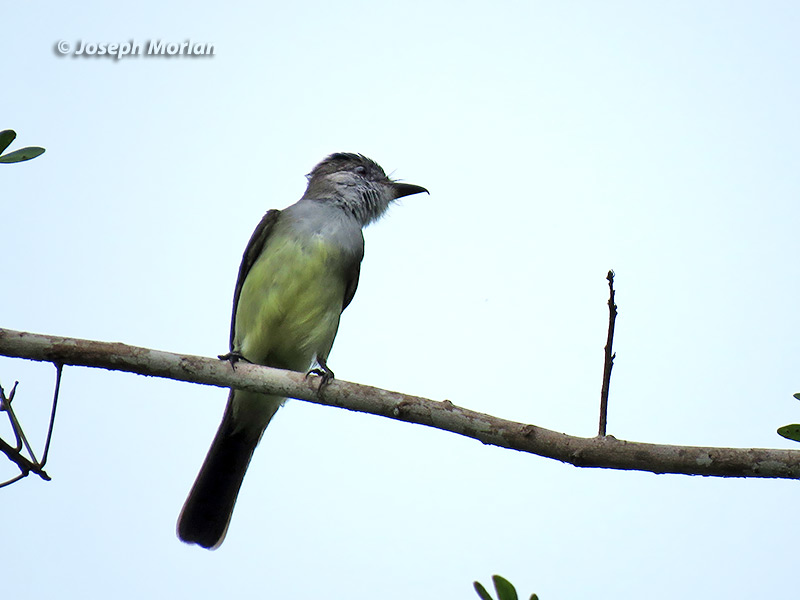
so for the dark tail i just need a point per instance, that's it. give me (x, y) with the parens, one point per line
(207, 511)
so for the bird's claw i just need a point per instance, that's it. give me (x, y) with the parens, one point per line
(325, 374)
(233, 357)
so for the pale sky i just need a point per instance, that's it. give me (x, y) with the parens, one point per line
(558, 140)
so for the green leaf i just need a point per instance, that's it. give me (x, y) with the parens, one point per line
(505, 591)
(790, 432)
(481, 591)
(22, 154)
(534, 597)
(6, 137)
(797, 395)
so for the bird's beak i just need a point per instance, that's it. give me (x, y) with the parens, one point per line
(406, 189)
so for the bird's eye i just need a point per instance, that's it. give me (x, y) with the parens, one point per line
(361, 170)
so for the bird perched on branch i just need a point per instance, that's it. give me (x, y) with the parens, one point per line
(298, 273)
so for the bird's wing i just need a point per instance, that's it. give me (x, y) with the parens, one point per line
(352, 284)
(254, 248)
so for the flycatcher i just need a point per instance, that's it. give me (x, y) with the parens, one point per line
(298, 273)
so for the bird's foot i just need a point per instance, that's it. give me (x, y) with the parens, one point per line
(323, 371)
(233, 357)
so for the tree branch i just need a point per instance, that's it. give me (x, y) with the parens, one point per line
(608, 363)
(14, 453)
(606, 452)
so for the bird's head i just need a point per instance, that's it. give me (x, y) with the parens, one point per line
(356, 183)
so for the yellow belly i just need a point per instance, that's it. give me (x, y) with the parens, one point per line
(290, 304)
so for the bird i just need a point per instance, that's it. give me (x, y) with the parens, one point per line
(299, 271)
